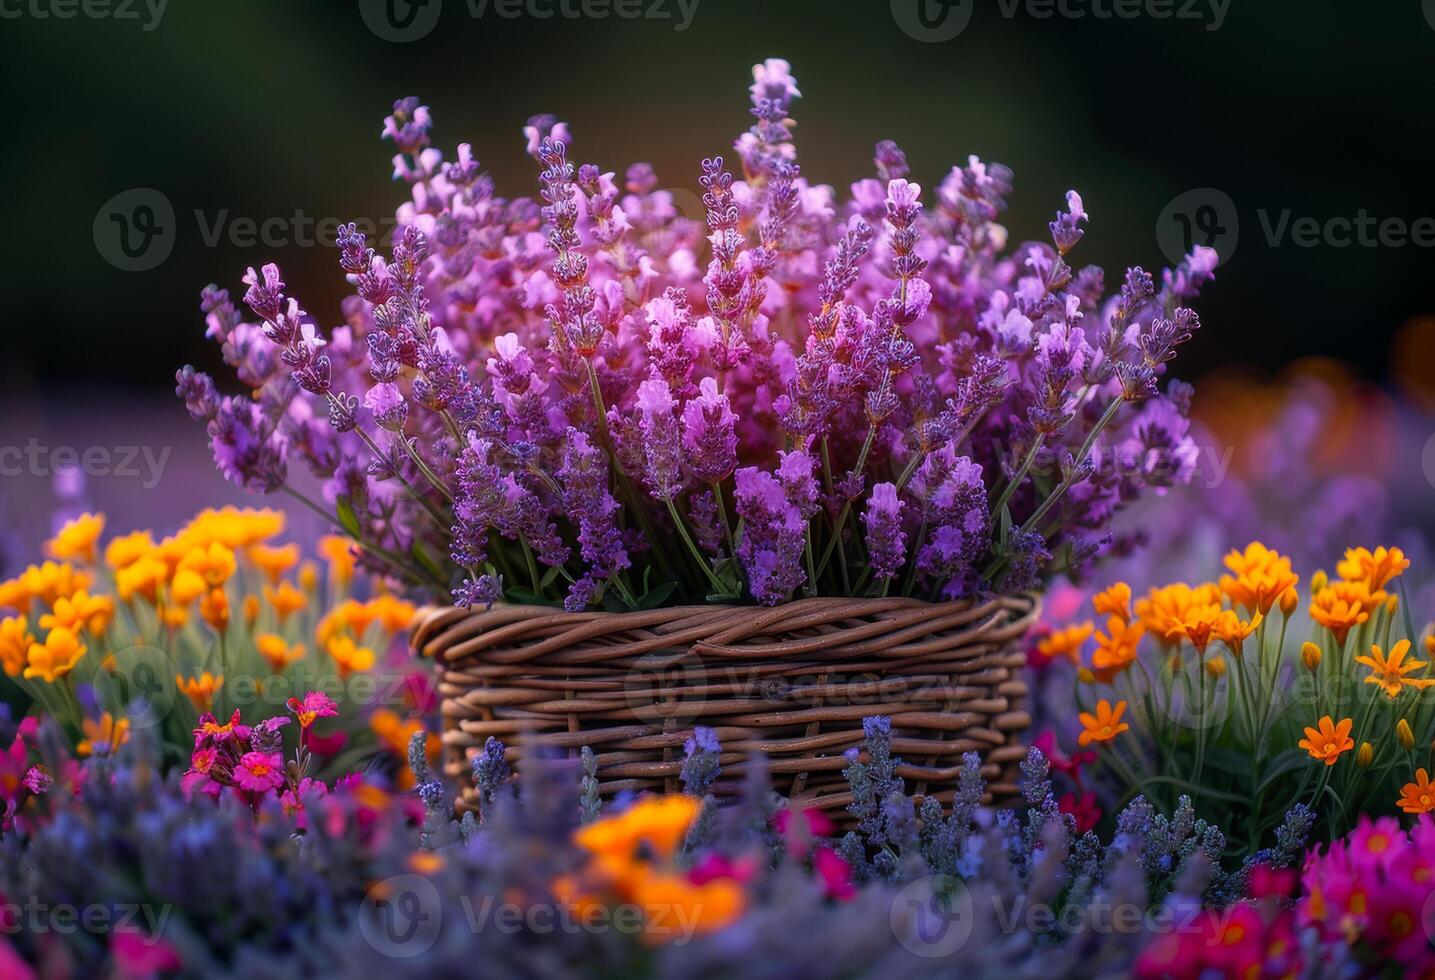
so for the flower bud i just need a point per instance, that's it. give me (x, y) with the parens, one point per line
(1404, 734)
(309, 577)
(1319, 581)
(1289, 600)
(1310, 655)
(1430, 644)
(1392, 604)
(1216, 667)
(1086, 676)
(1365, 755)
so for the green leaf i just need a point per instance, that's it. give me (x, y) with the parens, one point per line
(426, 563)
(527, 598)
(1004, 531)
(348, 520)
(550, 575)
(1287, 761)
(654, 598)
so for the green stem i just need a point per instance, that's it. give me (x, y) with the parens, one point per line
(682, 527)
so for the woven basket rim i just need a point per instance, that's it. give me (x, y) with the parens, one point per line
(433, 623)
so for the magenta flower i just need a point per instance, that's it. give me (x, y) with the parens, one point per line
(259, 772)
(311, 707)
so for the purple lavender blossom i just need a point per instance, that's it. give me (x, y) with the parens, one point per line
(772, 540)
(886, 541)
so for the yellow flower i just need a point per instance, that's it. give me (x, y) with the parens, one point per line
(15, 640)
(1389, 671)
(1310, 655)
(1103, 726)
(279, 653)
(54, 658)
(1115, 601)
(1116, 648)
(272, 561)
(285, 599)
(1066, 642)
(76, 540)
(1340, 607)
(1404, 735)
(142, 577)
(124, 551)
(200, 690)
(50, 581)
(1328, 740)
(395, 732)
(349, 657)
(1216, 667)
(1365, 755)
(233, 527)
(104, 736)
(1375, 569)
(80, 611)
(339, 553)
(214, 564)
(1164, 609)
(1261, 578)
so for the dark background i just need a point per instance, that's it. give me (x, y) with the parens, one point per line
(261, 108)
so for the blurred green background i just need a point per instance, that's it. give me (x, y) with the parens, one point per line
(266, 108)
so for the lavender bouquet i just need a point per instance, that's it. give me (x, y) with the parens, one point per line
(596, 399)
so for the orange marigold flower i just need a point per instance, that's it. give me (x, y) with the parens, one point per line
(1162, 610)
(1261, 577)
(1233, 631)
(277, 651)
(1389, 671)
(141, 577)
(658, 822)
(1115, 601)
(1198, 623)
(48, 582)
(15, 640)
(1374, 568)
(1340, 607)
(54, 658)
(214, 608)
(214, 564)
(200, 690)
(285, 599)
(1066, 642)
(80, 611)
(105, 736)
(1419, 796)
(339, 553)
(124, 551)
(272, 561)
(76, 540)
(349, 656)
(1103, 726)
(1328, 740)
(1116, 648)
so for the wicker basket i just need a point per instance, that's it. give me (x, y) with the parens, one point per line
(793, 683)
